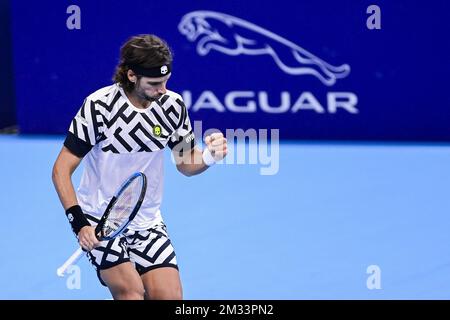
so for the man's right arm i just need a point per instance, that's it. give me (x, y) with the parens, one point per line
(64, 166)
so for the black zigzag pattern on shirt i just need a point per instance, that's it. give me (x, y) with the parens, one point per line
(109, 107)
(133, 134)
(124, 129)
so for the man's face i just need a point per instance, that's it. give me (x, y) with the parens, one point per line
(151, 89)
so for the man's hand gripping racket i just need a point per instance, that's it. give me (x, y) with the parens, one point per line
(121, 210)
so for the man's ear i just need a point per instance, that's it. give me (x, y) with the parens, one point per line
(132, 76)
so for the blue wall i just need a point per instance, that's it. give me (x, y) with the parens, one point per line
(7, 107)
(393, 80)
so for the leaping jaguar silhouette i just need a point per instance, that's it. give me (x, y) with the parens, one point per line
(234, 36)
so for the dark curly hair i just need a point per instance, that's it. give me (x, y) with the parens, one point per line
(145, 50)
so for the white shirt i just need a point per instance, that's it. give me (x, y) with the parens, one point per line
(118, 140)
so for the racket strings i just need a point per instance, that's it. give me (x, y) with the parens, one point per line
(123, 208)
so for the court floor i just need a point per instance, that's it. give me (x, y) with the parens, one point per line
(338, 221)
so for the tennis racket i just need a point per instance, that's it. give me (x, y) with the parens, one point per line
(120, 211)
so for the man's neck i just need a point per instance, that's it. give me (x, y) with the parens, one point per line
(137, 101)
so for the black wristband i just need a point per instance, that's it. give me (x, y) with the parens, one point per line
(76, 218)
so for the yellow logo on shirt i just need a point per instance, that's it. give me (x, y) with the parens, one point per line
(157, 130)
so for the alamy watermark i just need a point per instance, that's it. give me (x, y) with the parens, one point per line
(73, 21)
(374, 279)
(373, 22)
(74, 279)
(246, 147)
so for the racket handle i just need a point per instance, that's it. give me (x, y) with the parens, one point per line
(71, 261)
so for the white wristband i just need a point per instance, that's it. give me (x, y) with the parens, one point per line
(208, 159)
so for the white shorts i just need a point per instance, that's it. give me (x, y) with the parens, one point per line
(147, 249)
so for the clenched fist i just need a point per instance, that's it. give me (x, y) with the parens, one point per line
(216, 144)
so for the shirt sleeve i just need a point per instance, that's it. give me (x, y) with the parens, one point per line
(85, 130)
(182, 139)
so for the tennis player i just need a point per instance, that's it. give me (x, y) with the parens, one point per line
(122, 129)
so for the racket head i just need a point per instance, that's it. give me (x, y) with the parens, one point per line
(123, 207)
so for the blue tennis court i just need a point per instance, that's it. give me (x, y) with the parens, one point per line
(338, 221)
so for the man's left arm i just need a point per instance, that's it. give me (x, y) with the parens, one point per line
(196, 161)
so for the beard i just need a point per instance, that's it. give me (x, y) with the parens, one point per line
(146, 97)
(141, 94)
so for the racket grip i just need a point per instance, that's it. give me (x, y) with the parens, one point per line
(69, 262)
